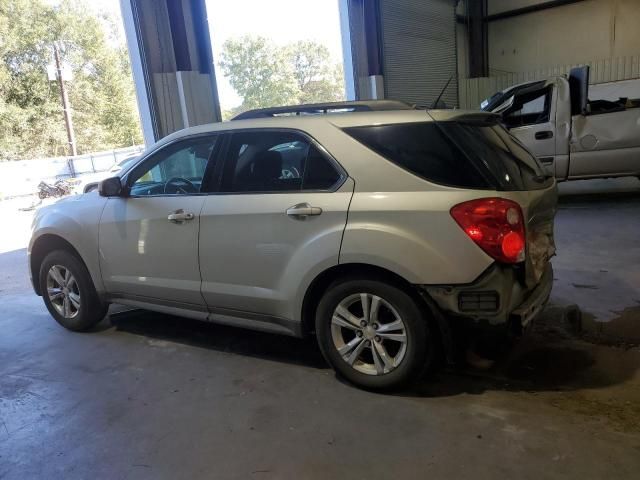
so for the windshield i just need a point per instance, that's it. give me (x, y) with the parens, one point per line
(497, 99)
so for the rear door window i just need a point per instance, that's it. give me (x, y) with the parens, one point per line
(276, 161)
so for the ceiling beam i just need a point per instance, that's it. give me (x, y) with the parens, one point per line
(516, 12)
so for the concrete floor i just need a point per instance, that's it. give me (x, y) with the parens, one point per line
(151, 396)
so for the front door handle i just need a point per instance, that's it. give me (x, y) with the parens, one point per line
(179, 216)
(303, 210)
(544, 134)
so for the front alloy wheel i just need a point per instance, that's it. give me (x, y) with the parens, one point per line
(68, 291)
(63, 291)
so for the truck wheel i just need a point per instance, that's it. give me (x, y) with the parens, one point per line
(69, 293)
(373, 333)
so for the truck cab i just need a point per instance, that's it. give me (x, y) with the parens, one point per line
(573, 137)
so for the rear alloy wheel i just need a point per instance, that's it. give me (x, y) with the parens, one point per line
(374, 340)
(373, 333)
(68, 292)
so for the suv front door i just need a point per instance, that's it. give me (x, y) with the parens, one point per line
(149, 239)
(276, 222)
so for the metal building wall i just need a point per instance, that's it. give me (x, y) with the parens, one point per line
(419, 50)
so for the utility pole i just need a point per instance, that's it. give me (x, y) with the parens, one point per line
(65, 104)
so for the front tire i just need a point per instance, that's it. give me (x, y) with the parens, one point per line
(373, 333)
(69, 293)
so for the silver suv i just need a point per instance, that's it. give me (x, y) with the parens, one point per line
(378, 227)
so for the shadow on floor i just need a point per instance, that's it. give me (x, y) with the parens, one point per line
(590, 192)
(219, 337)
(542, 361)
(545, 360)
(590, 199)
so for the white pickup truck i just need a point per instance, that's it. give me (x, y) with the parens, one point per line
(574, 138)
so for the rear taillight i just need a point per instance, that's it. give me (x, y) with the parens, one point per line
(496, 225)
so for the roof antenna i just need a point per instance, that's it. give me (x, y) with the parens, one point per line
(435, 104)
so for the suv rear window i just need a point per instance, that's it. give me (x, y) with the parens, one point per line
(457, 154)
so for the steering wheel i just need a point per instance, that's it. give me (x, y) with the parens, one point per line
(179, 185)
(290, 173)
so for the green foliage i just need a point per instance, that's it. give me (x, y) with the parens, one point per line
(101, 93)
(265, 75)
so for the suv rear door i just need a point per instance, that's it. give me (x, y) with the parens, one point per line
(275, 222)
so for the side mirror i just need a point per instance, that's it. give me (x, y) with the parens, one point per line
(111, 187)
(90, 187)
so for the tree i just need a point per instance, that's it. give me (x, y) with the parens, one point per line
(316, 78)
(101, 92)
(266, 75)
(258, 71)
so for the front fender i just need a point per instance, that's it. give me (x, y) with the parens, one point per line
(75, 220)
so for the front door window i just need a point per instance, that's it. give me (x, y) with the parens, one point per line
(177, 169)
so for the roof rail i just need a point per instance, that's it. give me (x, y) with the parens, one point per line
(320, 108)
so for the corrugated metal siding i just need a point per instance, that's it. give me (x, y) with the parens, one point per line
(419, 50)
(474, 90)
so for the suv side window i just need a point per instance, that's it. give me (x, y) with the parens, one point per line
(529, 109)
(177, 169)
(273, 161)
(424, 149)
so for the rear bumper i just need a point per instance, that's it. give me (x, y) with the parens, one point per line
(534, 304)
(498, 298)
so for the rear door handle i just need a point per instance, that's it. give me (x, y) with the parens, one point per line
(303, 210)
(179, 216)
(544, 134)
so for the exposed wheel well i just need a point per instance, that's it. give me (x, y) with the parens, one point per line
(41, 248)
(322, 282)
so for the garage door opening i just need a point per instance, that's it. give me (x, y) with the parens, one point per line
(270, 53)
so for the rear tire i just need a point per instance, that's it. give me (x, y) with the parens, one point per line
(373, 333)
(69, 293)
